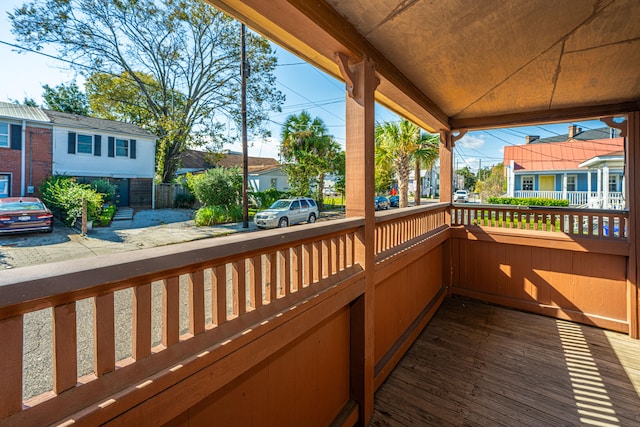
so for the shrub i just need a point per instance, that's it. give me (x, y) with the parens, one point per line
(264, 199)
(184, 200)
(211, 215)
(106, 216)
(104, 187)
(530, 201)
(63, 195)
(217, 187)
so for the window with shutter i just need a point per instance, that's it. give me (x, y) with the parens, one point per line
(16, 137)
(122, 148)
(97, 145)
(85, 144)
(4, 134)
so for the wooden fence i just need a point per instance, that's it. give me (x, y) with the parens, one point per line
(165, 194)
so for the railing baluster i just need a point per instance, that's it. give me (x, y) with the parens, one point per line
(296, 262)
(256, 281)
(350, 248)
(240, 284)
(307, 253)
(285, 272)
(104, 334)
(196, 302)
(273, 276)
(219, 293)
(11, 366)
(334, 256)
(170, 311)
(141, 319)
(65, 355)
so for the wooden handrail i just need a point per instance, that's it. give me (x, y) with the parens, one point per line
(598, 223)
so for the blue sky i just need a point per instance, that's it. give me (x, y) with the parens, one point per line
(306, 88)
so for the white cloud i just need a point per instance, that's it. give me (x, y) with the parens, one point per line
(472, 141)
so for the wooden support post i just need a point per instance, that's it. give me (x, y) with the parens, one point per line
(446, 195)
(633, 204)
(361, 83)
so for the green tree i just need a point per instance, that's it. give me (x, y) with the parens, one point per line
(425, 155)
(182, 57)
(66, 98)
(309, 153)
(494, 183)
(396, 145)
(469, 178)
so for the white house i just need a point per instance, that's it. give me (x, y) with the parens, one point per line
(89, 148)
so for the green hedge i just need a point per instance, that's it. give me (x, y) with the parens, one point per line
(527, 201)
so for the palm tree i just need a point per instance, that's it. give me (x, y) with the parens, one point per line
(397, 144)
(425, 155)
(308, 152)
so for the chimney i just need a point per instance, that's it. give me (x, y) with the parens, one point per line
(530, 138)
(573, 131)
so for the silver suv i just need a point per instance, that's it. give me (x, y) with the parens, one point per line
(285, 212)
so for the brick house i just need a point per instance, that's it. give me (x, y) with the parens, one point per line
(36, 143)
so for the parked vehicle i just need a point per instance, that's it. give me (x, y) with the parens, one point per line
(394, 201)
(24, 214)
(461, 196)
(381, 202)
(285, 212)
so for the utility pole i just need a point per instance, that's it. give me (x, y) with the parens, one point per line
(245, 154)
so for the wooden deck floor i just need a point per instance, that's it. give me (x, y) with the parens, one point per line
(481, 365)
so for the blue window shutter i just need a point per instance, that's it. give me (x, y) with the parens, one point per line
(16, 137)
(71, 143)
(97, 145)
(132, 148)
(111, 147)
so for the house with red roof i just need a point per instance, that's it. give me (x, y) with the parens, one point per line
(584, 167)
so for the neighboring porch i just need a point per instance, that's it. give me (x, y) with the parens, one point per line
(580, 199)
(479, 364)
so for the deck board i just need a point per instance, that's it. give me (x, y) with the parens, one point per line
(477, 364)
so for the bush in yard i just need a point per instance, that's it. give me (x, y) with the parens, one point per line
(105, 218)
(212, 215)
(104, 187)
(217, 187)
(63, 195)
(528, 201)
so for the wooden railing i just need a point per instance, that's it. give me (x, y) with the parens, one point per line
(400, 228)
(175, 301)
(609, 224)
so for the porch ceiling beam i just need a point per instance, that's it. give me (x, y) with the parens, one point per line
(544, 116)
(315, 32)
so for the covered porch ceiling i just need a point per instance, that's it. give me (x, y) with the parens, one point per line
(468, 64)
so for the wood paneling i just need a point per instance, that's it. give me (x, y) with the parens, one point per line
(306, 383)
(477, 364)
(401, 297)
(586, 287)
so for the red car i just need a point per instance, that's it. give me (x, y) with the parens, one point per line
(23, 214)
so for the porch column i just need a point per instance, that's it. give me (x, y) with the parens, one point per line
(446, 171)
(605, 187)
(632, 184)
(589, 187)
(599, 184)
(361, 83)
(564, 186)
